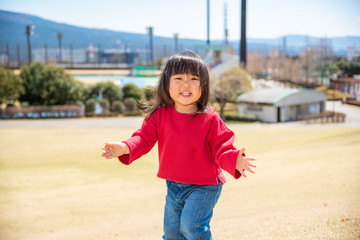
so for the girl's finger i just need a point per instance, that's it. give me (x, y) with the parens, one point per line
(249, 169)
(251, 165)
(108, 156)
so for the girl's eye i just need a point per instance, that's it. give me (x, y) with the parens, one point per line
(195, 79)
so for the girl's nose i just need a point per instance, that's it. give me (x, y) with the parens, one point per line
(187, 81)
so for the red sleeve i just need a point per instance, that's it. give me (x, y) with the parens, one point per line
(142, 141)
(222, 148)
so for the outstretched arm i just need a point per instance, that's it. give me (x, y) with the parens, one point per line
(243, 164)
(114, 149)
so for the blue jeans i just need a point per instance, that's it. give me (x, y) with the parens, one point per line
(188, 210)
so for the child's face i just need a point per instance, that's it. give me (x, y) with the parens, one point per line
(185, 91)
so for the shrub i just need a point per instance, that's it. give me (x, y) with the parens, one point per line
(11, 86)
(90, 106)
(149, 92)
(108, 90)
(131, 106)
(117, 107)
(105, 104)
(239, 118)
(49, 85)
(132, 91)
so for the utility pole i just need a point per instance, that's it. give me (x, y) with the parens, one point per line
(8, 55)
(71, 56)
(46, 54)
(18, 55)
(208, 22)
(226, 32)
(150, 31)
(28, 34)
(176, 38)
(243, 35)
(99, 55)
(59, 37)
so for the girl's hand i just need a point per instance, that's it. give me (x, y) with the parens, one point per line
(242, 163)
(114, 149)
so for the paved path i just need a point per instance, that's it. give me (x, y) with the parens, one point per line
(352, 119)
(111, 122)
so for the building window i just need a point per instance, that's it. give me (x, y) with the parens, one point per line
(254, 108)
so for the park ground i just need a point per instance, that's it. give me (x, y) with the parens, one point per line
(54, 184)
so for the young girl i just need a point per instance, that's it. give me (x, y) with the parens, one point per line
(194, 146)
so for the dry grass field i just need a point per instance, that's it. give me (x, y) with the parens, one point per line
(54, 185)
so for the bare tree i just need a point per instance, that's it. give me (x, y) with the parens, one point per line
(229, 86)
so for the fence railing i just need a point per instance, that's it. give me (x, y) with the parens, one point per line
(34, 112)
(323, 117)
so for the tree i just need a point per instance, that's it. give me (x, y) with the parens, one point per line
(49, 85)
(229, 86)
(11, 86)
(349, 68)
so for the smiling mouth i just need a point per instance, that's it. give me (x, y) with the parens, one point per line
(185, 93)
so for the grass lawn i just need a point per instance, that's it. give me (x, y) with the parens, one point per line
(54, 185)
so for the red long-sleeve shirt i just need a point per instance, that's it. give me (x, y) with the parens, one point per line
(191, 150)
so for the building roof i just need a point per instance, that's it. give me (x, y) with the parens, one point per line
(281, 96)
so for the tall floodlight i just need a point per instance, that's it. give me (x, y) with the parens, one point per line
(208, 22)
(28, 34)
(243, 35)
(150, 31)
(59, 37)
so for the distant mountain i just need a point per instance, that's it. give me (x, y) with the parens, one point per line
(12, 33)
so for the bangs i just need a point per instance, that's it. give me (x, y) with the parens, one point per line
(186, 62)
(187, 65)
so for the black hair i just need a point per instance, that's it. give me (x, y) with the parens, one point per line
(186, 62)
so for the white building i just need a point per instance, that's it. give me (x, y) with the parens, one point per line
(280, 104)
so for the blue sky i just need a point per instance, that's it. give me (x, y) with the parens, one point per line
(266, 18)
